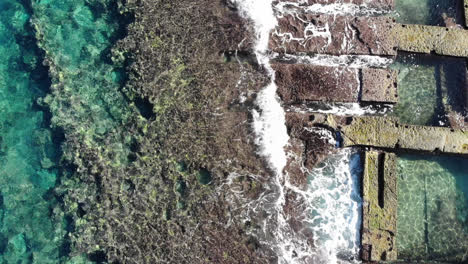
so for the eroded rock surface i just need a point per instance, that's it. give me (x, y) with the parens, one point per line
(298, 83)
(309, 144)
(379, 207)
(153, 190)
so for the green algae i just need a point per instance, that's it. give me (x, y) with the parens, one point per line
(85, 94)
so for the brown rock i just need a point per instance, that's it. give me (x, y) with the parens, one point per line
(300, 82)
(379, 85)
(307, 146)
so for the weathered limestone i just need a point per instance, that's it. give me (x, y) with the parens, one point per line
(379, 85)
(302, 82)
(379, 207)
(333, 34)
(465, 4)
(427, 39)
(378, 4)
(386, 132)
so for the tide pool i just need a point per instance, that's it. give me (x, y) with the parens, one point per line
(429, 87)
(432, 220)
(428, 12)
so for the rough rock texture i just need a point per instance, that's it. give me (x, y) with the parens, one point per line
(386, 132)
(427, 39)
(465, 5)
(308, 145)
(379, 85)
(380, 207)
(333, 34)
(378, 4)
(298, 83)
(166, 202)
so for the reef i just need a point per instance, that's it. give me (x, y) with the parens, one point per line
(150, 151)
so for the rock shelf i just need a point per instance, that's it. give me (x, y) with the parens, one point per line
(380, 207)
(427, 39)
(301, 82)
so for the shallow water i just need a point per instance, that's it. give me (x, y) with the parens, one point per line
(432, 208)
(334, 205)
(32, 225)
(429, 87)
(427, 12)
(76, 37)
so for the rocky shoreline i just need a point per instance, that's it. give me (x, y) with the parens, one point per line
(155, 186)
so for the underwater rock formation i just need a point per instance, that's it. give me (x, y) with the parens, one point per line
(151, 151)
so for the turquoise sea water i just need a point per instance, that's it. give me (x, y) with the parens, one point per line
(432, 208)
(32, 225)
(83, 88)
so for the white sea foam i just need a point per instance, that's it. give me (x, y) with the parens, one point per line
(269, 121)
(341, 109)
(330, 9)
(331, 202)
(334, 205)
(351, 61)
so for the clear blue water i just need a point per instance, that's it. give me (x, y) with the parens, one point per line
(430, 87)
(428, 12)
(32, 225)
(83, 89)
(432, 208)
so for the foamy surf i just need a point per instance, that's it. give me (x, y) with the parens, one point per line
(331, 201)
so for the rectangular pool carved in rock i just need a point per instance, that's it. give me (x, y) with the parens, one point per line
(380, 207)
(333, 34)
(427, 39)
(302, 82)
(377, 4)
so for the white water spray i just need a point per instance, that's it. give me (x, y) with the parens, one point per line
(334, 223)
(269, 122)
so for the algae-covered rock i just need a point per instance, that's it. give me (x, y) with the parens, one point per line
(387, 132)
(151, 151)
(427, 39)
(380, 207)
